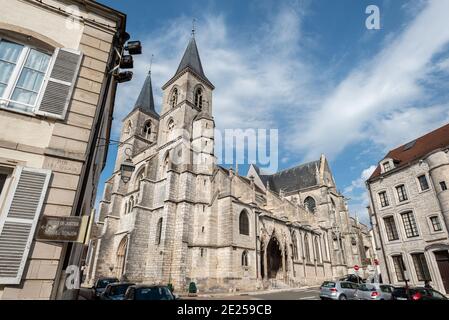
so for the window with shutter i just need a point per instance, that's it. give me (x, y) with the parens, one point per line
(59, 83)
(18, 221)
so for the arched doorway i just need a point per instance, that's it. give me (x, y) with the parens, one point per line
(121, 257)
(274, 258)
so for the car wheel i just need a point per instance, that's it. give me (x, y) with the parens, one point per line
(342, 297)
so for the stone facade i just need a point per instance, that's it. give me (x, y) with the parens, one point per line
(182, 218)
(45, 142)
(412, 224)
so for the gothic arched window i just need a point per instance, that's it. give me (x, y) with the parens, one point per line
(245, 258)
(307, 248)
(317, 250)
(310, 204)
(199, 98)
(170, 125)
(244, 223)
(174, 98)
(159, 231)
(294, 246)
(147, 130)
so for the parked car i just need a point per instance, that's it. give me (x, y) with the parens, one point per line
(115, 291)
(337, 290)
(417, 293)
(101, 284)
(352, 278)
(149, 292)
(374, 291)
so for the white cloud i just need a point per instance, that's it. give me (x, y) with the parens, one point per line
(251, 76)
(389, 83)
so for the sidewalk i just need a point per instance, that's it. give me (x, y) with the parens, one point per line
(245, 293)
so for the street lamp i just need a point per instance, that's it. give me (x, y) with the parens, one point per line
(127, 167)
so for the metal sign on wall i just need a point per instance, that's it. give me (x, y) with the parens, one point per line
(61, 229)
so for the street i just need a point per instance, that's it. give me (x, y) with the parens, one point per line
(294, 294)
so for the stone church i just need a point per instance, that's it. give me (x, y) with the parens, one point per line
(179, 217)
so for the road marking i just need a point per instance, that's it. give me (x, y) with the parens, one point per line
(308, 298)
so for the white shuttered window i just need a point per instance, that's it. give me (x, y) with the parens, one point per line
(37, 81)
(18, 221)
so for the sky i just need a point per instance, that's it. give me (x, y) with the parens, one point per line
(310, 69)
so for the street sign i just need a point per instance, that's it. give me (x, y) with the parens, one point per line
(356, 268)
(60, 229)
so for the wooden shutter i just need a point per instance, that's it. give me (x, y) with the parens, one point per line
(18, 221)
(59, 83)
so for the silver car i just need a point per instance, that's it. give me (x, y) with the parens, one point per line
(338, 290)
(374, 291)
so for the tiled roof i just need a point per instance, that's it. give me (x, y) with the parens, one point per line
(417, 149)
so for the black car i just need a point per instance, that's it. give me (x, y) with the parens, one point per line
(115, 291)
(101, 284)
(416, 293)
(352, 278)
(149, 292)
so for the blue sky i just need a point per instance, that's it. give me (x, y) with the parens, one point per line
(308, 68)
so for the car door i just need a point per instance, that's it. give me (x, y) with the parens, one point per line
(386, 292)
(348, 289)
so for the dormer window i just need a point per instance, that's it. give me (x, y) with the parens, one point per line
(387, 166)
(199, 98)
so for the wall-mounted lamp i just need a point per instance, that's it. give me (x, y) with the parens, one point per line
(127, 167)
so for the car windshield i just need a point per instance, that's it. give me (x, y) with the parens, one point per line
(328, 284)
(104, 282)
(153, 293)
(119, 290)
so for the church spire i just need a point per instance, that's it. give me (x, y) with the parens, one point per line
(191, 60)
(145, 100)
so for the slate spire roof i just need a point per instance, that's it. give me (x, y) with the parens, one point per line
(191, 60)
(145, 100)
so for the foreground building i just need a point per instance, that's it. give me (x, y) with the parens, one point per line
(56, 103)
(181, 218)
(410, 211)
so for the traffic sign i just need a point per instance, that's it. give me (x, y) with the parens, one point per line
(356, 268)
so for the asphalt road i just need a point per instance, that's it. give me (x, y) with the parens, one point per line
(294, 294)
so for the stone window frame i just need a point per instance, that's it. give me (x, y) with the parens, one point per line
(201, 105)
(404, 191)
(414, 221)
(399, 267)
(171, 98)
(379, 200)
(431, 225)
(312, 211)
(386, 229)
(245, 259)
(247, 231)
(418, 182)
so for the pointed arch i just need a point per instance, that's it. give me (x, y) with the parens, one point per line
(294, 246)
(245, 258)
(128, 127)
(140, 175)
(307, 248)
(121, 257)
(147, 129)
(198, 98)
(310, 204)
(244, 223)
(174, 97)
(317, 250)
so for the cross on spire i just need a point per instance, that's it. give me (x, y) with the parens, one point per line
(193, 27)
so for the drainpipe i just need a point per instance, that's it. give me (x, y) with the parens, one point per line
(255, 241)
(380, 235)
